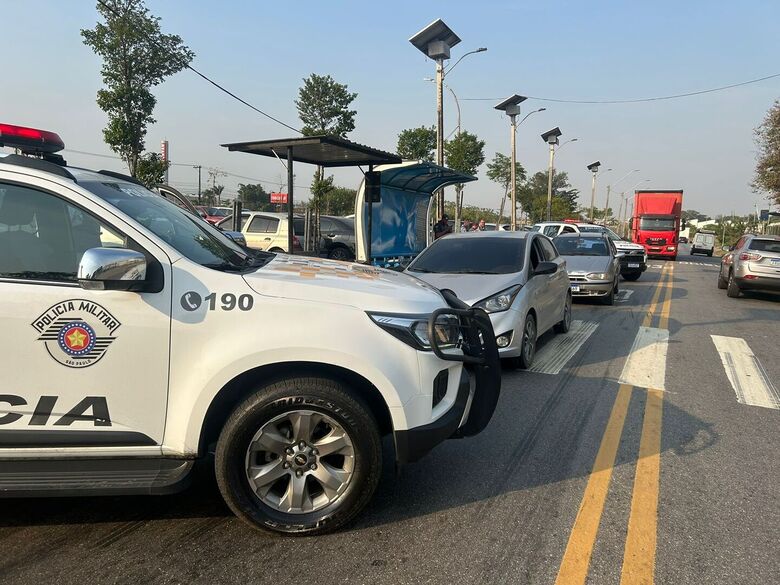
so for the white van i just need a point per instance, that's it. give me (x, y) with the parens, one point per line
(138, 339)
(703, 243)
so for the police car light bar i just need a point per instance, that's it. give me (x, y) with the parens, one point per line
(30, 140)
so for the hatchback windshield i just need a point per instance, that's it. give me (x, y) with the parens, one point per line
(472, 255)
(657, 224)
(583, 246)
(192, 237)
(765, 245)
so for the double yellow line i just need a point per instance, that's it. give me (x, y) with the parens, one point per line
(639, 553)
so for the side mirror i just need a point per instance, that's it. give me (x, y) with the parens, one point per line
(112, 269)
(545, 268)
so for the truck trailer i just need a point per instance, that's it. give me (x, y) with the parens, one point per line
(655, 223)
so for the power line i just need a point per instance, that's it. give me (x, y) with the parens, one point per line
(190, 165)
(211, 81)
(637, 100)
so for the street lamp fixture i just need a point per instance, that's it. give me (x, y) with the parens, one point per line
(551, 138)
(511, 107)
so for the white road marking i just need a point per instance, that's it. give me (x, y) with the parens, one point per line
(645, 366)
(746, 374)
(553, 356)
(623, 295)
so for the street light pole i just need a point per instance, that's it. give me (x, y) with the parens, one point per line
(511, 107)
(440, 128)
(551, 138)
(594, 169)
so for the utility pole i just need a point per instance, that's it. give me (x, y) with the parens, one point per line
(440, 128)
(198, 167)
(606, 206)
(551, 138)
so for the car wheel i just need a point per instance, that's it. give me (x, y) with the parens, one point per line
(528, 345)
(709, 254)
(299, 456)
(722, 282)
(277, 250)
(339, 253)
(610, 298)
(732, 288)
(631, 276)
(564, 325)
(617, 284)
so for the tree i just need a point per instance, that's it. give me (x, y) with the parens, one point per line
(464, 153)
(417, 143)
(136, 57)
(151, 169)
(533, 196)
(212, 195)
(767, 137)
(690, 214)
(341, 201)
(323, 107)
(499, 170)
(254, 198)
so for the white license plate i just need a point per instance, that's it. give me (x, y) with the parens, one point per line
(633, 265)
(776, 261)
(575, 288)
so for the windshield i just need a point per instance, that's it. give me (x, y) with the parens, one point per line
(471, 255)
(585, 246)
(656, 224)
(191, 236)
(765, 245)
(219, 211)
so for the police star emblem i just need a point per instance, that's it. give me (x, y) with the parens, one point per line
(77, 332)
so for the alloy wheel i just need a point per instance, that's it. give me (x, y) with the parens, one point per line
(300, 462)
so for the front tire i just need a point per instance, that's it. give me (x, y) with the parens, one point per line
(528, 347)
(564, 324)
(299, 456)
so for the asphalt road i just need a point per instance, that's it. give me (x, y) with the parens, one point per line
(579, 477)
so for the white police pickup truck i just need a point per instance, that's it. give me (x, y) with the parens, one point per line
(135, 339)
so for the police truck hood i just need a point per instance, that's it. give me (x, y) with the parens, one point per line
(345, 283)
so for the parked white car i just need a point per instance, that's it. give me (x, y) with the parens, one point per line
(518, 278)
(266, 230)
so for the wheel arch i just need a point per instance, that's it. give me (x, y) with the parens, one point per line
(232, 393)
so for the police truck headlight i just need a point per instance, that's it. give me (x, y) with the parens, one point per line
(499, 301)
(413, 329)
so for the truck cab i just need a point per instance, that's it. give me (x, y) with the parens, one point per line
(656, 222)
(138, 339)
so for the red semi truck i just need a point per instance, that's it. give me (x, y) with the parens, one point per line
(656, 221)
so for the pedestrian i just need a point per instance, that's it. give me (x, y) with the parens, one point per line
(467, 225)
(480, 227)
(441, 227)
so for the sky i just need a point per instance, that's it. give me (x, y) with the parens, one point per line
(564, 49)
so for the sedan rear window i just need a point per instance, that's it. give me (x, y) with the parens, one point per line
(472, 255)
(570, 246)
(765, 245)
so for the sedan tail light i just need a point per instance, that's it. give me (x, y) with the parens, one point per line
(749, 256)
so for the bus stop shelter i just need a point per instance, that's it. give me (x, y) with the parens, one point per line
(324, 151)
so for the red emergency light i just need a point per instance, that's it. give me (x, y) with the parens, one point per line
(30, 140)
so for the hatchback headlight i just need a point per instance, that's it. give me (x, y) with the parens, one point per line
(499, 301)
(413, 329)
(597, 276)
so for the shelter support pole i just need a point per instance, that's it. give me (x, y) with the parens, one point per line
(370, 220)
(290, 225)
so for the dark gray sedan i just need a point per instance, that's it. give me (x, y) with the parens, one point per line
(593, 264)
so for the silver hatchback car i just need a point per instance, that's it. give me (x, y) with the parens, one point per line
(593, 263)
(753, 263)
(518, 278)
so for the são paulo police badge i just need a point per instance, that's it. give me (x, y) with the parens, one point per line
(77, 332)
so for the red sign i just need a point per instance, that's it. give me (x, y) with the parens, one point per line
(278, 197)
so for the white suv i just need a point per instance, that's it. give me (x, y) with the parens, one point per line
(137, 339)
(633, 261)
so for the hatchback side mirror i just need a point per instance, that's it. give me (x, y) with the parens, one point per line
(545, 268)
(112, 269)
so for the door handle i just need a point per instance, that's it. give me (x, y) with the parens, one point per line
(267, 239)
